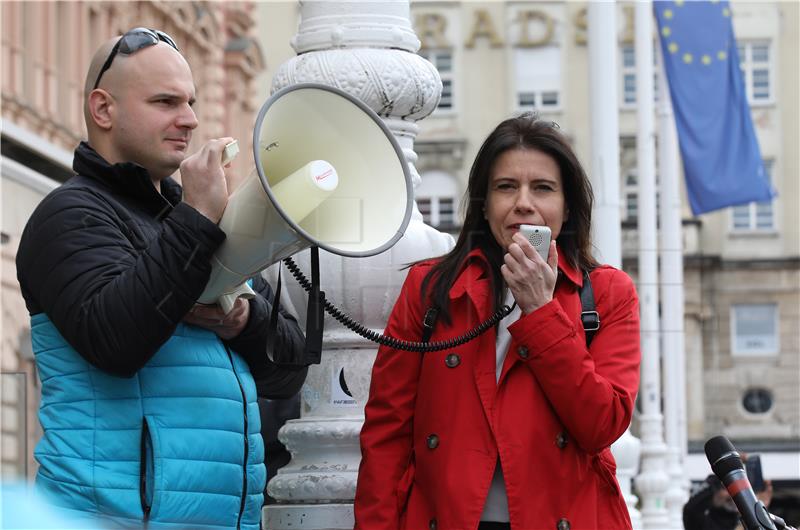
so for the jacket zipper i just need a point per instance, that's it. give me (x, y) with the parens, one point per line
(246, 444)
(143, 475)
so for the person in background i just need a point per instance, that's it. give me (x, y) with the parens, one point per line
(511, 430)
(711, 507)
(149, 401)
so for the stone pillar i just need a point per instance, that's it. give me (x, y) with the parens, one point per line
(672, 304)
(627, 451)
(366, 48)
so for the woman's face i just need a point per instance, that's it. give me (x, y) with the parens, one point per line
(524, 188)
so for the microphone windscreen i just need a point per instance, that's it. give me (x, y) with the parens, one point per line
(722, 456)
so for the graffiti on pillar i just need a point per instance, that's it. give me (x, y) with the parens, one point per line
(340, 394)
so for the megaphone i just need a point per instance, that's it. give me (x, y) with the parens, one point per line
(328, 173)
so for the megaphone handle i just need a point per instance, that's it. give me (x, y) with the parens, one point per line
(228, 300)
(315, 315)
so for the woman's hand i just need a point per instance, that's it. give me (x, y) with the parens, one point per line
(531, 279)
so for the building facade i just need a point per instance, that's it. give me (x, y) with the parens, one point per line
(46, 50)
(741, 264)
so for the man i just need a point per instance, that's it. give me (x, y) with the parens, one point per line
(148, 405)
(711, 507)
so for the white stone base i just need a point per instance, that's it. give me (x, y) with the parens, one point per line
(308, 517)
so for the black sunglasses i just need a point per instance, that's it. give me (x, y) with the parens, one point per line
(133, 41)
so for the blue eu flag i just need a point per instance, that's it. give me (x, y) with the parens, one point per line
(721, 159)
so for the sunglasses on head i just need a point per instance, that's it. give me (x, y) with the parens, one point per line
(133, 41)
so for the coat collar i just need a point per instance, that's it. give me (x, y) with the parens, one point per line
(475, 274)
(568, 271)
(126, 178)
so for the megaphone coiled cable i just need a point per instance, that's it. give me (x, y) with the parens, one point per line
(392, 342)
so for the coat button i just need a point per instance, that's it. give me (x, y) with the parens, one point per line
(563, 524)
(522, 351)
(452, 360)
(432, 524)
(433, 441)
(562, 439)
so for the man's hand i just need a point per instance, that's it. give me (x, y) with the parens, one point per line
(766, 495)
(205, 187)
(212, 317)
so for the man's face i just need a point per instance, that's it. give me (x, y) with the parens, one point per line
(153, 119)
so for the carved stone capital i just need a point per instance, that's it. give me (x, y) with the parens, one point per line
(393, 83)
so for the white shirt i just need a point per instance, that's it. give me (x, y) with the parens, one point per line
(496, 506)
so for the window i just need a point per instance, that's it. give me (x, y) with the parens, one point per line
(436, 199)
(628, 75)
(754, 329)
(755, 62)
(631, 198)
(538, 77)
(757, 400)
(628, 71)
(629, 181)
(438, 211)
(756, 216)
(443, 61)
(424, 204)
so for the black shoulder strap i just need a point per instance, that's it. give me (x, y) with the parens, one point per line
(429, 323)
(589, 316)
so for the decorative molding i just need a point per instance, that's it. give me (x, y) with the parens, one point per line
(315, 487)
(355, 24)
(393, 83)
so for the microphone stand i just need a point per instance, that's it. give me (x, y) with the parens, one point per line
(780, 524)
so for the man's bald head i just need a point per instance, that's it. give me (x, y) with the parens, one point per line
(98, 60)
(122, 69)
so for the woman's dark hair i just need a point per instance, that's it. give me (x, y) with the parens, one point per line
(526, 131)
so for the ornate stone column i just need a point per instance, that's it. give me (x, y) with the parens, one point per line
(366, 48)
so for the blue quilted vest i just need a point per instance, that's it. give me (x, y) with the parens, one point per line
(165, 449)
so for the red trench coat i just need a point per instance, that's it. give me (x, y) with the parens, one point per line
(434, 429)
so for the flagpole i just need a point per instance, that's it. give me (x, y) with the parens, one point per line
(607, 233)
(652, 482)
(672, 303)
(604, 127)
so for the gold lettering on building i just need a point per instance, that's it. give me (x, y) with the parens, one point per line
(430, 28)
(483, 27)
(627, 33)
(580, 27)
(542, 37)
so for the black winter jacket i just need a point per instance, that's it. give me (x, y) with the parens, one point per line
(116, 265)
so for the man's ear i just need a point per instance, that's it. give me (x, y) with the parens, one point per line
(101, 108)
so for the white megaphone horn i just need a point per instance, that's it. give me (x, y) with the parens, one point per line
(328, 174)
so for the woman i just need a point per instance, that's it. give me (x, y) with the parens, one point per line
(511, 430)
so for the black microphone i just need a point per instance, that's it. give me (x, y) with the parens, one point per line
(727, 466)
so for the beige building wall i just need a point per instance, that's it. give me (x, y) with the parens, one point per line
(277, 22)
